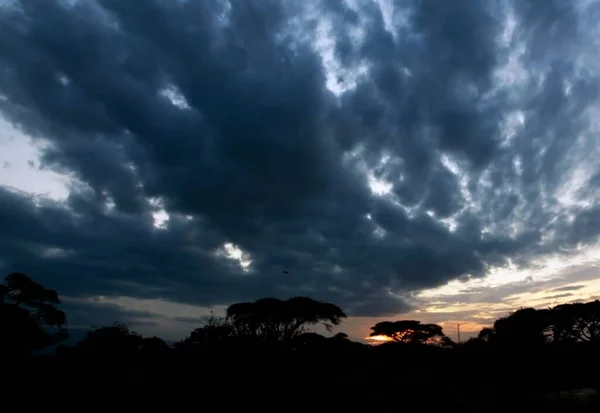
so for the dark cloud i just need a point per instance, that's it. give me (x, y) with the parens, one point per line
(568, 288)
(557, 296)
(85, 314)
(192, 320)
(224, 115)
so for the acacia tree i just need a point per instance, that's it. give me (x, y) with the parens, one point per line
(576, 322)
(410, 332)
(271, 319)
(30, 320)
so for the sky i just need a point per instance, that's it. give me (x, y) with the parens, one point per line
(428, 160)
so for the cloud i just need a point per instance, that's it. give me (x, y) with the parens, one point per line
(568, 288)
(84, 314)
(192, 320)
(369, 153)
(557, 296)
(579, 272)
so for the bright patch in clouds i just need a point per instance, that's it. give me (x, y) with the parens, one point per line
(174, 95)
(20, 165)
(159, 214)
(379, 186)
(340, 78)
(234, 253)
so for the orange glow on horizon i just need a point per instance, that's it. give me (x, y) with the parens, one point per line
(379, 339)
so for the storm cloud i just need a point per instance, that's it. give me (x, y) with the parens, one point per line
(352, 151)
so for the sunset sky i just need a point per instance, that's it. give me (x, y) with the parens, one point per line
(425, 160)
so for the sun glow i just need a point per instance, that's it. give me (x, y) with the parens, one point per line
(378, 339)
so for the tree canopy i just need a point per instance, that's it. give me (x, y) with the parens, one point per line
(30, 320)
(117, 338)
(562, 324)
(408, 331)
(576, 322)
(215, 333)
(272, 319)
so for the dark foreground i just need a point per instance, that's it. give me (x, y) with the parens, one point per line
(397, 380)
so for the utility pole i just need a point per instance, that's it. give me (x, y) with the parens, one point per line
(458, 332)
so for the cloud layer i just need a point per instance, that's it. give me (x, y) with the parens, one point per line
(355, 152)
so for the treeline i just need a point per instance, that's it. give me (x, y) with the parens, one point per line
(31, 321)
(261, 351)
(564, 324)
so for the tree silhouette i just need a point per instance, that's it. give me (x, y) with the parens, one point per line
(271, 319)
(340, 336)
(309, 341)
(154, 346)
(409, 332)
(316, 342)
(564, 323)
(487, 334)
(576, 322)
(115, 339)
(30, 320)
(214, 334)
(524, 327)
